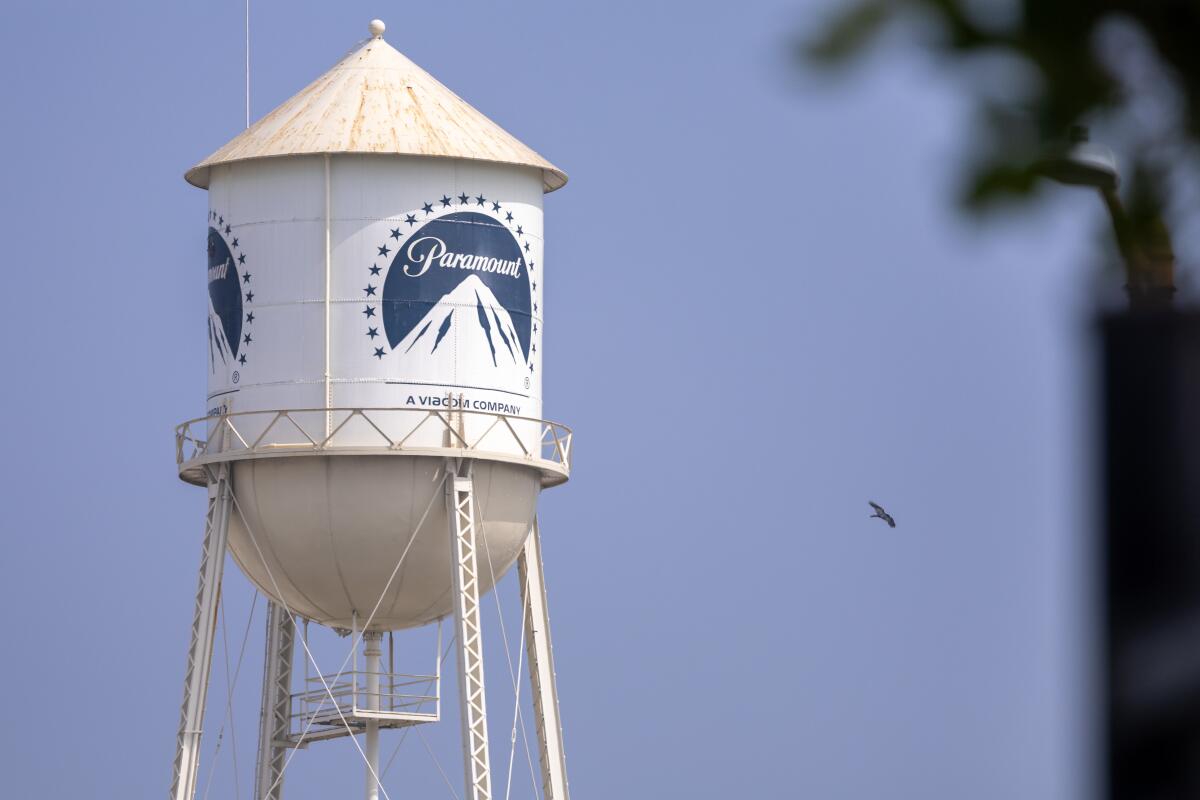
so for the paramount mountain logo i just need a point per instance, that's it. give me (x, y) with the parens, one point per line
(455, 286)
(229, 298)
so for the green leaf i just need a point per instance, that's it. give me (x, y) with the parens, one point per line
(848, 32)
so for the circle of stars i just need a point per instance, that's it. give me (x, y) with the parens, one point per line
(372, 293)
(222, 226)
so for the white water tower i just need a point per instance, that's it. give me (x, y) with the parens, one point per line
(373, 447)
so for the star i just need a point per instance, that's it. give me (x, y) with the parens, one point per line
(535, 286)
(395, 233)
(427, 208)
(535, 327)
(242, 258)
(383, 251)
(220, 220)
(246, 339)
(372, 332)
(508, 216)
(249, 297)
(410, 219)
(379, 352)
(481, 200)
(445, 201)
(527, 247)
(531, 265)
(531, 367)
(250, 317)
(370, 290)
(462, 198)
(535, 306)
(242, 359)
(495, 206)
(374, 269)
(369, 311)
(212, 215)
(246, 278)
(228, 229)
(235, 242)
(533, 347)
(520, 231)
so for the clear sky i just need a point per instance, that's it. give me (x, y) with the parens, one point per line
(766, 311)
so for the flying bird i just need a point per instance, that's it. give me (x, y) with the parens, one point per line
(883, 515)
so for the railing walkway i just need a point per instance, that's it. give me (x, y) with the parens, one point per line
(543, 445)
(402, 700)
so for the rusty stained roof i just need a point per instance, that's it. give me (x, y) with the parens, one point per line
(377, 101)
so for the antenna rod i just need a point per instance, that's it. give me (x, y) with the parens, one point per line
(247, 63)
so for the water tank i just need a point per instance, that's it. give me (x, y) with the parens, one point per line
(375, 283)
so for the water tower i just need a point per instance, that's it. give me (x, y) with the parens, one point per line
(373, 448)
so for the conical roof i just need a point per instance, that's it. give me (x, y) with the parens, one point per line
(377, 101)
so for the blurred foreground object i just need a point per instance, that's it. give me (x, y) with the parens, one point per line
(1148, 258)
(1150, 561)
(1036, 69)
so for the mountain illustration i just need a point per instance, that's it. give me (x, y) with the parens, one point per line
(218, 344)
(470, 328)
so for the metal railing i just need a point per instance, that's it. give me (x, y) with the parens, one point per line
(537, 443)
(318, 713)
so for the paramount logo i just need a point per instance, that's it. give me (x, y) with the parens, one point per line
(424, 252)
(457, 292)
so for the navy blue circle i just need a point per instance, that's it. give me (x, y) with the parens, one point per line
(414, 286)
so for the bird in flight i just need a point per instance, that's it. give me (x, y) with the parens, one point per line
(883, 515)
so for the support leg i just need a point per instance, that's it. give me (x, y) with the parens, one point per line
(199, 660)
(275, 722)
(541, 668)
(461, 507)
(373, 655)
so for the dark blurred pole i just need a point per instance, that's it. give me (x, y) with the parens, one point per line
(1151, 566)
(1146, 253)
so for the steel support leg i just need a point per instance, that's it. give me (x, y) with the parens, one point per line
(461, 507)
(274, 723)
(199, 660)
(372, 653)
(541, 668)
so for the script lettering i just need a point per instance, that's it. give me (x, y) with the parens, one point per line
(423, 253)
(218, 272)
(436, 248)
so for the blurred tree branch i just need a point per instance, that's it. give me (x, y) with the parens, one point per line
(1129, 66)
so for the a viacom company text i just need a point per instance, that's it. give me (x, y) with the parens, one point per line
(464, 403)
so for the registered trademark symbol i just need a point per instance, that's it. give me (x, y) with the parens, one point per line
(237, 377)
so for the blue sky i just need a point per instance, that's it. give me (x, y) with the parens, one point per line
(766, 311)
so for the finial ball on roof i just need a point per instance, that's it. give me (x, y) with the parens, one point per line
(377, 28)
